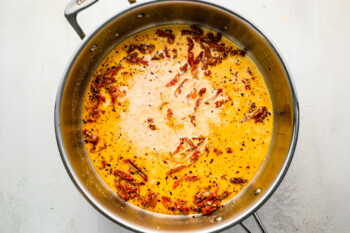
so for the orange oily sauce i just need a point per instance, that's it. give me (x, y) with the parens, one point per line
(135, 111)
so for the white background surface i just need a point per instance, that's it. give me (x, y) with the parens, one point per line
(36, 194)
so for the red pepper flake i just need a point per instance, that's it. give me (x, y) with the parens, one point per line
(173, 81)
(192, 94)
(260, 114)
(184, 68)
(137, 169)
(223, 176)
(198, 102)
(152, 126)
(207, 72)
(247, 87)
(132, 58)
(170, 36)
(178, 89)
(176, 169)
(219, 103)
(217, 151)
(202, 91)
(169, 113)
(175, 53)
(166, 51)
(229, 150)
(193, 119)
(123, 175)
(219, 91)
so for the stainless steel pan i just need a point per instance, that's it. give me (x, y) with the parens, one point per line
(96, 46)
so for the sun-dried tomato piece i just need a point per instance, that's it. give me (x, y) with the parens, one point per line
(190, 44)
(123, 175)
(238, 52)
(192, 178)
(115, 93)
(198, 58)
(132, 58)
(190, 59)
(209, 209)
(170, 36)
(237, 180)
(173, 81)
(214, 39)
(177, 182)
(202, 91)
(143, 48)
(260, 114)
(157, 56)
(149, 200)
(178, 148)
(188, 141)
(166, 201)
(223, 195)
(121, 191)
(92, 138)
(178, 89)
(196, 31)
(137, 169)
(166, 51)
(180, 205)
(176, 169)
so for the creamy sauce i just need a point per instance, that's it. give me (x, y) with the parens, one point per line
(223, 134)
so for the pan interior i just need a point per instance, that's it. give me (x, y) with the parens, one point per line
(102, 41)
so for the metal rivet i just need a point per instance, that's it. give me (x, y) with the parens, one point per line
(117, 34)
(93, 48)
(140, 16)
(225, 27)
(218, 219)
(258, 191)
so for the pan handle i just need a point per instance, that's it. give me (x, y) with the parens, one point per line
(72, 10)
(258, 221)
